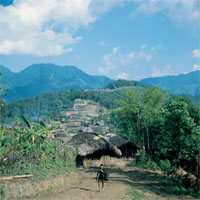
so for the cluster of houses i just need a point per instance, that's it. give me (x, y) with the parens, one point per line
(94, 142)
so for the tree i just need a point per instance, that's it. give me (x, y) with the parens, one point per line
(196, 149)
(128, 117)
(152, 104)
(174, 141)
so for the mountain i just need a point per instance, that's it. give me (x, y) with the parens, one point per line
(43, 78)
(125, 84)
(188, 84)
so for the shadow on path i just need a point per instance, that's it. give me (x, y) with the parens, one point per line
(141, 179)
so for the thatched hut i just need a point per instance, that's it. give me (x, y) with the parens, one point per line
(128, 148)
(91, 146)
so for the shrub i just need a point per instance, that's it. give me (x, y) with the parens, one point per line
(165, 165)
(33, 150)
(144, 160)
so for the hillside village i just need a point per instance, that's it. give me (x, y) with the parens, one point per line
(82, 117)
(84, 128)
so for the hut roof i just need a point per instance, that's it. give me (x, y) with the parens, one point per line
(118, 140)
(88, 143)
(88, 129)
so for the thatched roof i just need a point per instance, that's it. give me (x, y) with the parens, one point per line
(88, 143)
(118, 140)
(88, 129)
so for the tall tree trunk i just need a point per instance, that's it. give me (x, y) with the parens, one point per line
(143, 139)
(198, 172)
(148, 140)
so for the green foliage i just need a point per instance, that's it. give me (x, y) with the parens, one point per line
(26, 121)
(32, 150)
(139, 114)
(144, 160)
(165, 127)
(135, 194)
(165, 165)
(52, 105)
(174, 141)
(195, 100)
(125, 83)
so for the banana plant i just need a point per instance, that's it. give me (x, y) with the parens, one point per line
(36, 130)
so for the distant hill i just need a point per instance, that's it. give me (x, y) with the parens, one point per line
(188, 84)
(125, 83)
(55, 103)
(43, 78)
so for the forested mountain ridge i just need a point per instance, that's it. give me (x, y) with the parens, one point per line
(43, 78)
(51, 104)
(188, 84)
(125, 84)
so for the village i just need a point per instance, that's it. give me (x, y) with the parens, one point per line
(86, 129)
(95, 141)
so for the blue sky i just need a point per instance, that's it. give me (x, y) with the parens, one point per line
(130, 39)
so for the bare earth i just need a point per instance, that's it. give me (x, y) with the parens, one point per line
(147, 184)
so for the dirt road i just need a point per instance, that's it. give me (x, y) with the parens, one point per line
(143, 184)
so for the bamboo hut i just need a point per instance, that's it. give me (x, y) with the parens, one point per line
(91, 146)
(128, 148)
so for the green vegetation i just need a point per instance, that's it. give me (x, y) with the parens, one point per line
(195, 100)
(125, 83)
(33, 150)
(165, 127)
(51, 105)
(135, 194)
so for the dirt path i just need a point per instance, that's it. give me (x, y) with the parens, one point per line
(88, 189)
(143, 184)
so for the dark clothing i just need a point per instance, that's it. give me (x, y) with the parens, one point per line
(101, 174)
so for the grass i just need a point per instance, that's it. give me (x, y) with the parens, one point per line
(136, 194)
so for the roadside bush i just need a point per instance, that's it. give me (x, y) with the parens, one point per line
(144, 160)
(33, 150)
(165, 165)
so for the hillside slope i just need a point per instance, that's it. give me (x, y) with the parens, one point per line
(188, 84)
(43, 78)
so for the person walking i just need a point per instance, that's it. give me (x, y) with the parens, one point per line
(101, 175)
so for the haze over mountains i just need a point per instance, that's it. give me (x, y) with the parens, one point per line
(188, 84)
(43, 78)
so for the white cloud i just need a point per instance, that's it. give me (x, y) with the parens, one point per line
(156, 48)
(115, 50)
(116, 59)
(122, 76)
(47, 27)
(109, 63)
(196, 67)
(182, 12)
(143, 55)
(196, 53)
(143, 46)
(131, 55)
(42, 27)
(158, 71)
(97, 7)
(102, 43)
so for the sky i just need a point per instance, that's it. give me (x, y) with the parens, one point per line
(121, 39)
